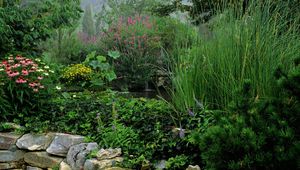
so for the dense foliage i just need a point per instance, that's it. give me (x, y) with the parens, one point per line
(216, 60)
(23, 27)
(256, 134)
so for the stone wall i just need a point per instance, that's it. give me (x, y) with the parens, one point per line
(54, 151)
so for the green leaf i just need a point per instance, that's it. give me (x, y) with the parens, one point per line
(97, 82)
(111, 75)
(89, 57)
(94, 64)
(114, 54)
(66, 95)
(101, 58)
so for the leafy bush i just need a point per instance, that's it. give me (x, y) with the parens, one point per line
(73, 47)
(137, 39)
(103, 71)
(256, 134)
(21, 37)
(175, 34)
(177, 162)
(25, 24)
(23, 85)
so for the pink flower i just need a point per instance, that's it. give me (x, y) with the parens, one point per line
(32, 84)
(25, 72)
(21, 80)
(31, 70)
(40, 77)
(16, 65)
(13, 74)
(4, 62)
(18, 57)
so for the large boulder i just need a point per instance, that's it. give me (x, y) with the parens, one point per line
(10, 156)
(116, 168)
(62, 142)
(160, 165)
(191, 167)
(64, 166)
(77, 154)
(42, 159)
(94, 164)
(33, 168)
(11, 165)
(35, 142)
(108, 153)
(7, 140)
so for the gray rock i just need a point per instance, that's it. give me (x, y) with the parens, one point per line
(108, 153)
(146, 165)
(33, 168)
(77, 154)
(10, 165)
(62, 142)
(9, 156)
(35, 142)
(160, 165)
(191, 167)
(7, 140)
(116, 168)
(94, 164)
(64, 166)
(42, 159)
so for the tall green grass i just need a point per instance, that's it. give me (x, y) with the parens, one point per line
(243, 46)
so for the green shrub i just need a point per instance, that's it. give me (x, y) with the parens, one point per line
(175, 34)
(73, 47)
(256, 133)
(178, 162)
(103, 71)
(24, 36)
(25, 24)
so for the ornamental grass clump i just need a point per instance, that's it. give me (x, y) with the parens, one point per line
(22, 81)
(242, 46)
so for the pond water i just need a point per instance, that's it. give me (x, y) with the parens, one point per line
(153, 94)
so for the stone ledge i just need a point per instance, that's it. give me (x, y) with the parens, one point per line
(54, 150)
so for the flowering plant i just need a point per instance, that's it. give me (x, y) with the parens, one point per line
(137, 39)
(22, 81)
(76, 73)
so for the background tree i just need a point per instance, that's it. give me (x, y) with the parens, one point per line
(201, 11)
(88, 25)
(24, 24)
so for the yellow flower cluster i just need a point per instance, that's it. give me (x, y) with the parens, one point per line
(76, 72)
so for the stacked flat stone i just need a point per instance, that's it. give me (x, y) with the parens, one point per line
(53, 150)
